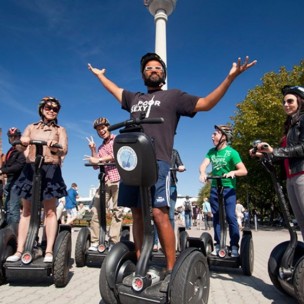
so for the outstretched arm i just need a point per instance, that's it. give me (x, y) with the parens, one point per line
(208, 102)
(107, 83)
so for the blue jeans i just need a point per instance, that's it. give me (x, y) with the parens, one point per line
(230, 203)
(188, 215)
(12, 204)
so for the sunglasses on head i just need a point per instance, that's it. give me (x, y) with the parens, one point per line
(156, 68)
(49, 108)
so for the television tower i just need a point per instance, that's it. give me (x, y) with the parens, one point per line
(161, 9)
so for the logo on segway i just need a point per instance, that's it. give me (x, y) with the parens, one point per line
(127, 158)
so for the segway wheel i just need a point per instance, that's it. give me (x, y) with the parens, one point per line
(274, 263)
(62, 258)
(191, 283)
(183, 241)
(119, 263)
(247, 254)
(82, 245)
(206, 239)
(298, 280)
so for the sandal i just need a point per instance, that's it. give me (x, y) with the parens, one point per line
(14, 258)
(48, 258)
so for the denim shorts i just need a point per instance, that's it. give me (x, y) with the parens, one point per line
(129, 196)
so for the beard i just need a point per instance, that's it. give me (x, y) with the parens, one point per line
(154, 81)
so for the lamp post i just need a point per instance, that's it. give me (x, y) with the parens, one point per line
(161, 9)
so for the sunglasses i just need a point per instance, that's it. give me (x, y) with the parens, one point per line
(151, 68)
(288, 101)
(49, 108)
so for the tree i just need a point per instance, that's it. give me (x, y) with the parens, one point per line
(260, 116)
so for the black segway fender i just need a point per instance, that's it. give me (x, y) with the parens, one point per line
(119, 253)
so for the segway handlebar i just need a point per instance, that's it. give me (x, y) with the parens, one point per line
(136, 121)
(255, 146)
(100, 164)
(217, 177)
(36, 142)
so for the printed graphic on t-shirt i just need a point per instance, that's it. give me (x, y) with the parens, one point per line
(220, 161)
(145, 106)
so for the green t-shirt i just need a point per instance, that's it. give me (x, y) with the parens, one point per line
(224, 161)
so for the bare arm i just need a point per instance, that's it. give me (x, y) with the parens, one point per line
(202, 169)
(107, 83)
(208, 102)
(240, 171)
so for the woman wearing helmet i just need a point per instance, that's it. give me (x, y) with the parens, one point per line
(291, 151)
(52, 183)
(104, 154)
(226, 162)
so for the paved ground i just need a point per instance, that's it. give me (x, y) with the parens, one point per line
(226, 285)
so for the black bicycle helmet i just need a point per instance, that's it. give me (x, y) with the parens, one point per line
(45, 100)
(13, 132)
(152, 56)
(297, 90)
(226, 130)
(100, 121)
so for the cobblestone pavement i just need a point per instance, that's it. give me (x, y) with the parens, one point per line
(226, 285)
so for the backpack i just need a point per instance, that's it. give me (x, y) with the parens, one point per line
(188, 205)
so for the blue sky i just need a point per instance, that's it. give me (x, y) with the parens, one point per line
(46, 45)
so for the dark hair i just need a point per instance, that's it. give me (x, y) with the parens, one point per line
(292, 120)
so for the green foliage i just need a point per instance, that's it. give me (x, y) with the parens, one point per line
(261, 116)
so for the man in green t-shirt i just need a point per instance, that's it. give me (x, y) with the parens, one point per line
(225, 162)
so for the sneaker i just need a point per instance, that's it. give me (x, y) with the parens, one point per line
(48, 257)
(93, 247)
(234, 251)
(155, 248)
(216, 250)
(14, 258)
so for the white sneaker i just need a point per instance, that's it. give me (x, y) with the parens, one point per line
(93, 247)
(215, 250)
(234, 251)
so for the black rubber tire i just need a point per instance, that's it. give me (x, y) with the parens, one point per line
(298, 280)
(119, 260)
(247, 254)
(206, 239)
(191, 283)
(274, 262)
(82, 245)
(61, 265)
(183, 241)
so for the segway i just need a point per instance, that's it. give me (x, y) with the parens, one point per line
(31, 262)
(286, 261)
(95, 258)
(8, 241)
(123, 278)
(245, 260)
